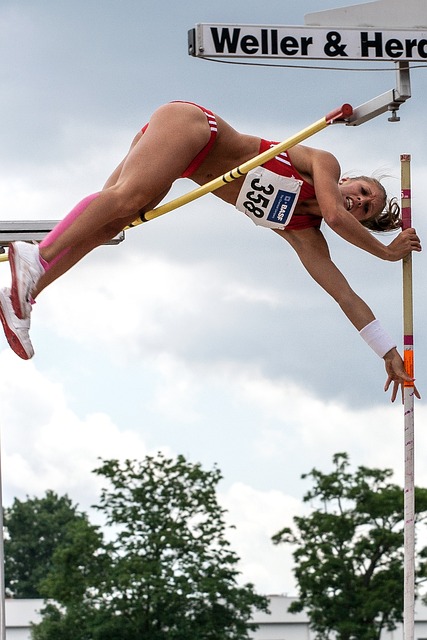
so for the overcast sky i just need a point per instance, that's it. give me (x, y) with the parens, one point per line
(200, 334)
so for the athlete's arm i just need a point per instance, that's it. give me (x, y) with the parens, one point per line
(313, 252)
(325, 172)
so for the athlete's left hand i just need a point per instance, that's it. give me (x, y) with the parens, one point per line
(396, 374)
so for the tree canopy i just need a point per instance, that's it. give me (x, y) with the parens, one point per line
(163, 569)
(34, 528)
(349, 551)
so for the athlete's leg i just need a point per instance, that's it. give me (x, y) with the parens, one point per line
(176, 133)
(74, 254)
(69, 257)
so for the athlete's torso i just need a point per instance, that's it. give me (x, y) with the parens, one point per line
(282, 165)
(232, 149)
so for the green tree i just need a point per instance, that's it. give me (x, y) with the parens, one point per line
(167, 571)
(33, 530)
(349, 551)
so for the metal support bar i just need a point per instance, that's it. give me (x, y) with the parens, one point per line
(388, 101)
(34, 230)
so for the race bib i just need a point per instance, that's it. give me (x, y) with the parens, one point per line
(268, 198)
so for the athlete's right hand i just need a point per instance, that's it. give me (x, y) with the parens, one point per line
(403, 244)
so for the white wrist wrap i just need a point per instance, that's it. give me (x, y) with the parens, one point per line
(378, 339)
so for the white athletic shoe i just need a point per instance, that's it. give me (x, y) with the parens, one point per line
(26, 268)
(15, 329)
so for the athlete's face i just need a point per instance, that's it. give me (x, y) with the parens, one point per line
(362, 198)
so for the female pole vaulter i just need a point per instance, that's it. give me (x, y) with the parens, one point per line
(291, 194)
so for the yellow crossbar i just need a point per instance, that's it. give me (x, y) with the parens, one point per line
(339, 114)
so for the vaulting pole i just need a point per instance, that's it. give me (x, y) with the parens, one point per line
(408, 402)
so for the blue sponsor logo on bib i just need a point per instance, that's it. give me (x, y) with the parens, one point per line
(281, 207)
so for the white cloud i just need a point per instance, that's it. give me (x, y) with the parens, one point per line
(150, 303)
(286, 432)
(257, 516)
(321, 428)
(176, 392)
(45, 444)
